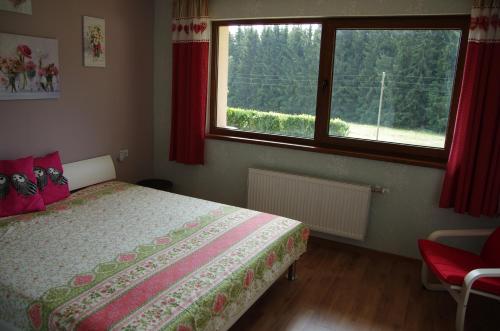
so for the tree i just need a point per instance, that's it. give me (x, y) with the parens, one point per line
(275, 68)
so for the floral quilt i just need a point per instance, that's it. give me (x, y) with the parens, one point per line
(116, 256)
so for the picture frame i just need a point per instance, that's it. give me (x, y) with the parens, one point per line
(16, 6)
(29, 67)
(94, 42)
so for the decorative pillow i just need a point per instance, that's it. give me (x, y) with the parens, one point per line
(53, 186)
(18, 189)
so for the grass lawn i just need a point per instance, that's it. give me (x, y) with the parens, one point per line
(421, 138)
(303, 126)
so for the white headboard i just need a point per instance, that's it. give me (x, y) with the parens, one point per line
(89, 172)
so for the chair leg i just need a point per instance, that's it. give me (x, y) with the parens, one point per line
(460, 319)
(425, 280)
(462, 301)
(424, 275)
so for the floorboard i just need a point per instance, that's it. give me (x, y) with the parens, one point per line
(346, 288)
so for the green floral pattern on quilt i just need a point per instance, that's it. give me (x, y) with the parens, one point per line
(121, 247)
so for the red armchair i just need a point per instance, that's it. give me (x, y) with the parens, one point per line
(460, 272)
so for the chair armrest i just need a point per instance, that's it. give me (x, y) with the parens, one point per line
(475, 274)
(463, 297)
(460, 233)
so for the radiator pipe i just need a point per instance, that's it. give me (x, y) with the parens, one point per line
(379, 189)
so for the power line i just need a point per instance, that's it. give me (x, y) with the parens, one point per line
(345, 75)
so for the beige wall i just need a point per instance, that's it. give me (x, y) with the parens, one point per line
(100, 110)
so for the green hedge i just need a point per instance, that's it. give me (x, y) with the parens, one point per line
(278, 123)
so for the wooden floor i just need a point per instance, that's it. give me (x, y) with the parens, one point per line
(342, 287)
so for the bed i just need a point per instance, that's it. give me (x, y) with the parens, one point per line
(123, 257)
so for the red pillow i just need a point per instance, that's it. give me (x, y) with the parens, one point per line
(53, 186)
(18, 189)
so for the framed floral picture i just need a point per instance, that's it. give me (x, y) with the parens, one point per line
(94, 42)
(17, 6)
(29, 67)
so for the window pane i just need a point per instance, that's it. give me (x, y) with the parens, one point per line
(394, 85)
(267, 78)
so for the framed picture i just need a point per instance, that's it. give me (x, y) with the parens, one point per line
(94, 42)
(17, 6)
(29, 67)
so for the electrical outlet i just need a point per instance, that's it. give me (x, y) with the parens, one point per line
(123, 155)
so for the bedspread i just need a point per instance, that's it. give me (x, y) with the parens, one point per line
(119, 256)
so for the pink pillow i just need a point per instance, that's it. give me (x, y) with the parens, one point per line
(53, 186)
(18, 190)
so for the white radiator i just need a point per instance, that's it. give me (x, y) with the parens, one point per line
(325, 206)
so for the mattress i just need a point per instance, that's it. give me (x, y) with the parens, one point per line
(119, 256)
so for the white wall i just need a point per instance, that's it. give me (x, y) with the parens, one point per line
(410, 211)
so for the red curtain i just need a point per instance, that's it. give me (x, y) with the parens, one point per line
(190, 36)
(472, 180)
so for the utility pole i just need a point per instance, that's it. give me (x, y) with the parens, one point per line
(380, 102)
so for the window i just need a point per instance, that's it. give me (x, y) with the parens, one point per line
(270, 73)
(382, 88)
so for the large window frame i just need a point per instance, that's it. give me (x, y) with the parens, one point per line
(322, 142)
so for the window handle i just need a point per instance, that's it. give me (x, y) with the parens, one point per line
(324, 84)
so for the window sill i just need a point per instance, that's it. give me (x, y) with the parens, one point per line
(315, 147)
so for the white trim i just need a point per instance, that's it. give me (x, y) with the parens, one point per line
(191, 30)
(484, 24)
(89, 172)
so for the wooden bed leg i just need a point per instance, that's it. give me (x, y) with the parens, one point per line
(292, 272)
